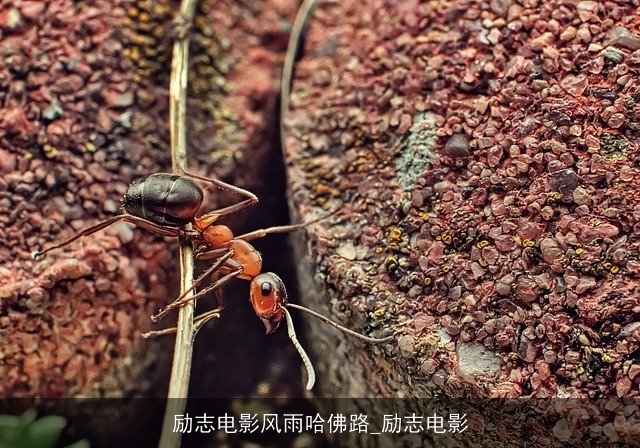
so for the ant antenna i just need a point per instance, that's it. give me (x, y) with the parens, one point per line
(311, 374)
(326, 320)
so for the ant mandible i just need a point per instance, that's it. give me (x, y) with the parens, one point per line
(164, 203)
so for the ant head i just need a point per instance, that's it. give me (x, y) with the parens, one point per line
(269, 300)
(268, 297)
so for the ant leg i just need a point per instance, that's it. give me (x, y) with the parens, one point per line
(271, 230)
(220, 260)
(229, 265)
(223, 185)
(218, 292)
(148, 225)
(198, 322)
(201, 320)
(217, 285)
(38, 254)
(153, 227)
(213, 254)
(279, 229)
(182, 299)
(209, 218)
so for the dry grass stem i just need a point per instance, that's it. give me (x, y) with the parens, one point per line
(183, 352)
(186, 329)
(295, 41)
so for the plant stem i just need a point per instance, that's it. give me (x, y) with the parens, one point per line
(186, 330)
(183, 352)
(298, 31)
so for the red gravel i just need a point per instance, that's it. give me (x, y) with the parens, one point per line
(83, 111)
(61, 321)
(484, 159)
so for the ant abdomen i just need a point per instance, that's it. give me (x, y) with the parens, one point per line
(164, 199)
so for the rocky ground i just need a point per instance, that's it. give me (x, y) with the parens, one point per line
(480, 158)
(483, 157)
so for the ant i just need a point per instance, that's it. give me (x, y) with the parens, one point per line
(164, 203)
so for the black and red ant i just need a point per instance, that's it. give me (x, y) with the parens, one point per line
(164, 203)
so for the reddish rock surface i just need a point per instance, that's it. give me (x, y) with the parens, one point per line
(68, 152)
(83, 111)
(483, 158)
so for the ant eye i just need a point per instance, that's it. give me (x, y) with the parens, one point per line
(266, 289)
(267, 294)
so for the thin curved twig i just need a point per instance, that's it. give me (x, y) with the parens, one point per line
(295, 42)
